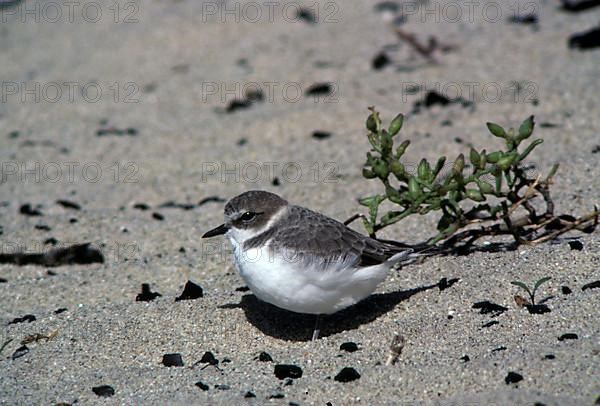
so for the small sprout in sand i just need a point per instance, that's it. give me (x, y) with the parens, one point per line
(531, 292)
(395, 349)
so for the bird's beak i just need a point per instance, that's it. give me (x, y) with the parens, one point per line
(222, 229)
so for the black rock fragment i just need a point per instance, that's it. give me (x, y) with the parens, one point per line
(209, 358)
(27, 210)
(585, 40)
(537, 309)
(566, 290)
(251, 97)
(276, 181)
(576, 245)
(158, 216)
(141, 206)
(172, 360)
(549, 356)
(591, 285)
(75, 254)
(147, 295)
(486, 307)
(67, 204)
(191, 291)
(528, 19)
(60, 310)
(202, 385)
(50, 241)
(596, 149)
(222, 387)
(27, 318)
(283, 371)
(321, 135)
(73, 220)
(380, 61)
(433, 98)
(465, 358)
(513, 377)
(211, 199)
(349, 346)
(249, 395)
(242, 289)
(19, 352)
(173, 205)
(306, 15)
(347, 374)
(575, 6)
(498, 349)
(104, 391)
(444, 283)
(568, 336)
(490, 324)
(319, 89)
(276, 395)
(42, 227)
(119, 132)
(3, 280)
(264, 357)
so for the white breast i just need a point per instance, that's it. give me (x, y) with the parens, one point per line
(314, 288)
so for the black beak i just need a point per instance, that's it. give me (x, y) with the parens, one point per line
(222, 229)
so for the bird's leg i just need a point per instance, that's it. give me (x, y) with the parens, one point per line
(317, 329)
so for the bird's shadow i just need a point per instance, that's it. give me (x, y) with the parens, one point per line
(291, 326)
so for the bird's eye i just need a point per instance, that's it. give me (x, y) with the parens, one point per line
(248, 216)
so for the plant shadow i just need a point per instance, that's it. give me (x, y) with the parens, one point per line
(290, 326)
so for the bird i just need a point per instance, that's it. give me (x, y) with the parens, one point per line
(300, 260)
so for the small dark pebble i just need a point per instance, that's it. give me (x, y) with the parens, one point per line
(141, 206)
(568, 336)
(2, 280)
(42, 227)
(288, 382)
(458, 140)
(147, 295)
(446, 123)
(202, 385)
(209, 358)
(490, 324)
(242, 289)
(174, 205)
(465, 358)
(211, 199)
(51, 241)
(225, 361)
(27, 318)
(67, 204)
(19, 352)
(242, 141)
(444, 283)
(498, 349)
(513, 377)
(539, 404)
(104, 391)
(319, 89)
(249, 395)
(236, 105)
(306, 15)
(349, 346)
(579, 5)
(596, 149)
(489, 307)
(73, 220)
(277, 395)
(387, 6)
(576, 245)
(27, 210)
(264, 357)
(222, 387)
(13, 134)
(182, 250)
(321, 135)
(276, 181)
(347, 374)
(549, 356)
(293, 404)
(380, 61)
(566, 290)
(50, 272)
(537, 309)
(60, 310)
(283, 371)
(172, 360)
(585, 40)
(524, 19)
(191, 291)
(591, 285)
(158, 216)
